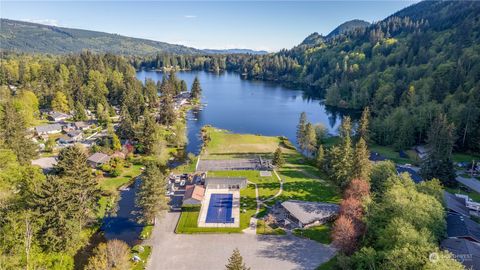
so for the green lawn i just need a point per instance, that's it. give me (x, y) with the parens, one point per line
(390, 153)
(264, 229)
(475, 196)
(223, 143)
(188, 219)
(111, 184)
(464, 157)
(318, 233)
(267, 186)
(147, 250)
(146, 232)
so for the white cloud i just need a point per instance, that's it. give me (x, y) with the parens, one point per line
(190, 16)
(51, 22)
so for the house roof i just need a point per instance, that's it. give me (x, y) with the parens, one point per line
(74, 133)
(224, 180)
(413, 174)
(308, 212)
(194, 192)
(462, 227)
(98, 158)
(81, 124)
(455, 204)
(59, 115)
(45, 163)
(48, 128)
(464, 251)
(374, 156)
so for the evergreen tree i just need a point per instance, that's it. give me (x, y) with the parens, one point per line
(301, 131)
(278, 159)
(13, 131)
(235, 262)
(362, 165)
(126, 128)
(150, 198)
(183, 86)
(116, 144)
(438, 162)
(310, 139)
(196, 90)
(166, 115)
(148, 138)
(56, 204)
(79, 113)
(341, 157)
(73, 167)
(320, 158)
(363, 126)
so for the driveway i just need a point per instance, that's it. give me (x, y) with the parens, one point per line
(211, 251)
(470, 182)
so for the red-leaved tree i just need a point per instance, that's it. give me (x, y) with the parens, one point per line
(344, 235)
(358, 189)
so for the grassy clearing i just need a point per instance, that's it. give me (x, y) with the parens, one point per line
(263, 228)
(224, 143)
(318, 233)
(464, 157)
(147, 250)
(475, 196)
(267, 186)
(187, 223)
(146, 232)
(111, 184)
(390, 153)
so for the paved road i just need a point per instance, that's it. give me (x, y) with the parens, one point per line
(470, 182)
(211, 251)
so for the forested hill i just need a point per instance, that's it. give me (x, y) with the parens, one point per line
(347, 27)
(422, 60)
(22, 36)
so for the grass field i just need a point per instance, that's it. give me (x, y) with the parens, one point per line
(225, 144)
(111, 184)
(328, 265)
(390, 153)
(463, 157)
(318, 233)
(147, 250)
(188, 219)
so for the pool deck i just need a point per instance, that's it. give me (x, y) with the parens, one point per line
(235, 209)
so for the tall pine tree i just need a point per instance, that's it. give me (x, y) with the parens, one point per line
(235, 262)
(196, 89)
(150, 198)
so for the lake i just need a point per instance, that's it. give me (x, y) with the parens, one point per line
(245, 106)
(238, 105)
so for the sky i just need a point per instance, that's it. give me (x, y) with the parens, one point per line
(256, 25)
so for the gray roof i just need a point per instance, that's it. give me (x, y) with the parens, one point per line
(45, 163)
(99, 158)
(464, 251)
(59, 114)
(308, 212)
(223, 180)
(462, 227)
(455, 204)
(74, 133)
(82, 124)
(48, 128)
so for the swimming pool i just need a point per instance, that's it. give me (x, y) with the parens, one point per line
(220, 209)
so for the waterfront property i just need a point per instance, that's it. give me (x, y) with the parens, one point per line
(194, 195)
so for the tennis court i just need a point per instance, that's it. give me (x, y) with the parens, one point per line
(220, 209)
(233, 164)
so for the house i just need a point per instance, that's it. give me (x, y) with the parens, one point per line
(307, 214)
(463, 227)
(464, 251)
(58, 116)
(376, 157)
(47, 163)
(48, 129)
(193, 195)
(225, 182)
(413, 173)
(98, 159)
(455, 205)
(71, 137)
(422, 151)
(82, 125)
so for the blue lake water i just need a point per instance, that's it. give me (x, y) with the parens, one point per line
(234, 104)
(245, 106)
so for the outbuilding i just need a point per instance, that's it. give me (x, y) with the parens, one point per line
(307, 214)
(193, 195)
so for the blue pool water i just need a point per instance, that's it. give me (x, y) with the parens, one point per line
(220, 209)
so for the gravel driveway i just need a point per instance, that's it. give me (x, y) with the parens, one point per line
(210, 251)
